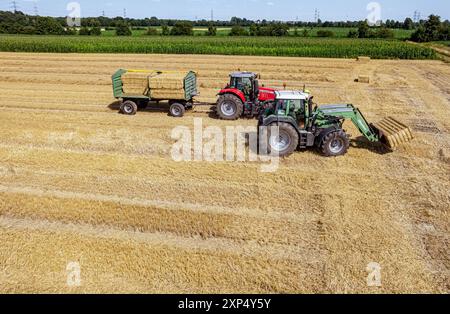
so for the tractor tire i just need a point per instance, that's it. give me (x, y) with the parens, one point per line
(285, 143)
(229, 107)
(335, 144)
(177, 110)
(129, 107)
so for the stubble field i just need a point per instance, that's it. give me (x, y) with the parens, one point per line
(81, 183)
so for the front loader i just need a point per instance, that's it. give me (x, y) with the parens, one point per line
(299, 125)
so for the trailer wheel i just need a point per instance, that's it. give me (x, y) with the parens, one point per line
(177, 110)
(285, 142)
(229, 107)
(129, 107)
(335, 144)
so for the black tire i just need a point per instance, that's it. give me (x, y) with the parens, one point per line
(286, 142)
(177, 110)
(128, 107)
(229, 107)
(335, 144)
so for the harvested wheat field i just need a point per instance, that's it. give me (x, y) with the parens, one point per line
(80, 183)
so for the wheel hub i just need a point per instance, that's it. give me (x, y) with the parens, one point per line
(336, 145)
(228, 109)
(280, 142)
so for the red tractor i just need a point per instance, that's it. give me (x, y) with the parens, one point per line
(242, 96)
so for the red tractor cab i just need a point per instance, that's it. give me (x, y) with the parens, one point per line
(242, 96)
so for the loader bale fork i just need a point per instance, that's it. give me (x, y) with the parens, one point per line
(392, 133)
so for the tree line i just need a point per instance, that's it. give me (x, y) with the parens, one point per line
(19, 23)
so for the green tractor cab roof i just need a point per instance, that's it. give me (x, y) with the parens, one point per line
(291, 95)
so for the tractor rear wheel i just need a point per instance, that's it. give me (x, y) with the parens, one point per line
(129, 107)
(285, 142)
(335, 144)
(229, 107)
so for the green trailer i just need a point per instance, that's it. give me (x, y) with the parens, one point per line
(137, 88)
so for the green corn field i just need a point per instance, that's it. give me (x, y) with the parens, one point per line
(258, 46)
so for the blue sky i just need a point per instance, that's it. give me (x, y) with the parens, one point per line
(225, 9)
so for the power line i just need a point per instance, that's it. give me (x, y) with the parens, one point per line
(124, 13)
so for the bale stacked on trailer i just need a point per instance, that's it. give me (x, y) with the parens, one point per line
(167, 85)
(135, 83)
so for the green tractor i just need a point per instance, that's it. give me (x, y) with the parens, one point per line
(301, 124)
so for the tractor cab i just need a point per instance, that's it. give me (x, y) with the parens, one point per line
(295, 104)
(247, 83)
(242, 96)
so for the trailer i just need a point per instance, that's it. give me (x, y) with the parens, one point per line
(137, 88)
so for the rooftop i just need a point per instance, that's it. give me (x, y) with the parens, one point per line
(291, 95)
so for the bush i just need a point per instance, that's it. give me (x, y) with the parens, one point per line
(122, 29)
(352, 34)
(384, 32)
(28, 30)
(95, 31)
(238, 30)
(151, 31)
(325, 33)
(84, 31)
(182, 29)
(165, 31)
(212, 31)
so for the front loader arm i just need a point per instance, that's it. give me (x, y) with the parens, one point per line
(388, 131)
(352, 113)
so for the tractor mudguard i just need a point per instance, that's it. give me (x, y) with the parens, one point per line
(233, 91)
(273, 119)
(323, 133)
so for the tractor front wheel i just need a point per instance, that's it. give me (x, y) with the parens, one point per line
(335, 144)
(128, 107)
(229, 107)
(285, 142)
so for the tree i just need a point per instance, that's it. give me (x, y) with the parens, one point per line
(122, 29)
(48, 26)
(363, 30)
(254, 30)
(408, 23)
(431, 30)
(419, 35)
(212, 30)
(165, 31)
(182, 28)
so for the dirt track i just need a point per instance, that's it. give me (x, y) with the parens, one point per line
(79, 182)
